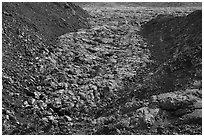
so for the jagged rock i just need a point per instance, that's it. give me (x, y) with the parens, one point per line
(70, 92)
(52, 119)
(70, 105)
(68, 118)
(174, 100)
(31, 101)
(131, 107)
(28, 92)
(43, 97)
(146, 116)
(60, 92)
(180, 104)
(82, 95)
(68, 89)
(45, 119)
(193, 118)
(94, 87)
(53, 85)
(194, 92)
(100, 120)
(92, 50)
(112, 60)
(37, 95)
(25, 103)
(42, 105)
(197, 104)
(185, 106)
(123, 123)
(65, 111)
(57, 103)
(47, 113)
(197, 84)
(13, 119)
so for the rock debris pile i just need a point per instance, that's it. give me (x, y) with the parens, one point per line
(96, 80)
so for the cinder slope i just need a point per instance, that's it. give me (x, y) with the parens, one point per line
(28, 31)
(176, 47)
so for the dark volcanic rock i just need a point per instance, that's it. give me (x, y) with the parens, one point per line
(29, 33)
(175, 100)
(185, 106)
(193, 118)
(93, 81)
(50, 19)
(176, 47)
(181, 38)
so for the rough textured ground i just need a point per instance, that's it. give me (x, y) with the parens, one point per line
(138, 4)
(106, 79)
(28, 30)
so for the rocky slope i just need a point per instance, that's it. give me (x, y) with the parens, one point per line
(176, 47)
(49, 19)
(97, 80)
(28, 30)
(176, 44)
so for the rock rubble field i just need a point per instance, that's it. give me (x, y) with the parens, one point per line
(120, 71)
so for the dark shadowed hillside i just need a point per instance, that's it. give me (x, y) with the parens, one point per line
(176, 47)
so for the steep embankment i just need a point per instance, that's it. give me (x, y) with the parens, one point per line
(176, 48)
(28, 31)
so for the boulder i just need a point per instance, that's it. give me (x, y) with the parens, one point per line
(193, 118)
(185, 106)
(145, 117)
(175, 100)
(198, 104)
